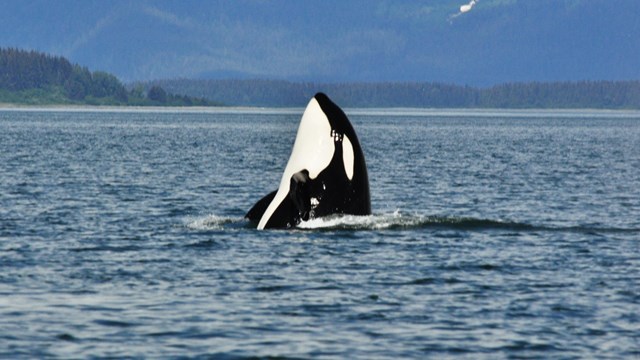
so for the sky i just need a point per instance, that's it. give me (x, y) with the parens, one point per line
(491, 42)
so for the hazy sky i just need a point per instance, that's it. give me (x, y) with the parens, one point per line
(492, 41)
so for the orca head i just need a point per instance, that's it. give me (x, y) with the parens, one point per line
(326, 172)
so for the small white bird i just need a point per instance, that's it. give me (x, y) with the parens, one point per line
(463, 9)
(467, 7)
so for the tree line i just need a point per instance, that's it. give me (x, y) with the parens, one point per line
(35, 77)
(559, 95)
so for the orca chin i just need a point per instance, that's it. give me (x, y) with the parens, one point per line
(326, 173)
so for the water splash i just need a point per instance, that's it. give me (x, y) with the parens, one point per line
(399, 220)
(214, 222)
(393, 220)
(396, 220)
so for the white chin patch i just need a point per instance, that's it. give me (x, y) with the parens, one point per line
(347, 157)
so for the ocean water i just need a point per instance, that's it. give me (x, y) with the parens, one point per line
(494, 234)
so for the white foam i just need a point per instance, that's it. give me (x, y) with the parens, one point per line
(210, 222)
(364, 222)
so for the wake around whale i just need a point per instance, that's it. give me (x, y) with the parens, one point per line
(326, 173)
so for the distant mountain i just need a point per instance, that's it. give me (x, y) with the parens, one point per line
(332, 41)
(272, 93)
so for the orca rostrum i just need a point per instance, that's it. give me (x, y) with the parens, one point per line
(326, 173)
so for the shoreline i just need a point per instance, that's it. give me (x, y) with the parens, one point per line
(382, 111)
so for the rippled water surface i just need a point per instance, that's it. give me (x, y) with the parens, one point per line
(494, 235)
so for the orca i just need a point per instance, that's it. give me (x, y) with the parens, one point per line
(326, 173)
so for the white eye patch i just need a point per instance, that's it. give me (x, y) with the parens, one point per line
(347, 157)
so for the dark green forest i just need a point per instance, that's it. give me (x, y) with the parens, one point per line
(556, 95)
(34, 78)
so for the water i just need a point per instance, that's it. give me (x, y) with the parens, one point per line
(494, 235)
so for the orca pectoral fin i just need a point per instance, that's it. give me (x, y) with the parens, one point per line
(260, 207)
(284, 217)
(299, 194)
(290, 210)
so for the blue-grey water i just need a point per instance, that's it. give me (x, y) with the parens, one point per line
(494, 235)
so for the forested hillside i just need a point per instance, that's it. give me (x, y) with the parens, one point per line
(30, 77)
(561, 95)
